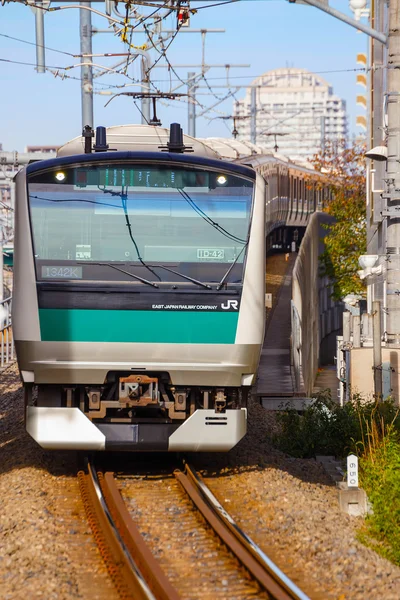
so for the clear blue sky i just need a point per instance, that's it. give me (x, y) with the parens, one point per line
(42, 109)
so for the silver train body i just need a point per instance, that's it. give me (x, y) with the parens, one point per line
(139, 282)
(293, 192)
(139, 288)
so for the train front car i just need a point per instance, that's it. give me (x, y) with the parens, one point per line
(139, 300)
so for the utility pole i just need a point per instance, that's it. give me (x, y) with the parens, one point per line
(38, 10)
(393, 177)
(39, 25)
(191, 104)
(377, 348)
(146, 89)
(85, 28)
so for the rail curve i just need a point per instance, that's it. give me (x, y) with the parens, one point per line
(131, 565)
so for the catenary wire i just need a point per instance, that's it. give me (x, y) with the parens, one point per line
(363, 69)
(10, 37)
(164, 52)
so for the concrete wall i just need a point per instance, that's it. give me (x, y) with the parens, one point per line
(314, 314)
(362, 374)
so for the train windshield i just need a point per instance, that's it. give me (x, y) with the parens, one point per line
(137, 219)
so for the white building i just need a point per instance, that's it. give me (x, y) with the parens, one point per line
(291, 111)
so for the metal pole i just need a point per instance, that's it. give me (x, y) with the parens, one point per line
(377, 35)
(39, 25)
(12, 205)
(377, 348)
(346, 353)
(191, 104)
(253, 115)
(146, 90)
(85, 27)
(393, 176)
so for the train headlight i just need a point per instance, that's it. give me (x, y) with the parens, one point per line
(60, 176)
(222, 179)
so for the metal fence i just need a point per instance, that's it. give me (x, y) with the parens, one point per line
(7, 342)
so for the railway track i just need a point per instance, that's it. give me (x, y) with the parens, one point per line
(235, 568)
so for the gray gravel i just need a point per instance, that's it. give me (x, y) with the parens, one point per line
(290, 508)
(287, 505)
(46, 546)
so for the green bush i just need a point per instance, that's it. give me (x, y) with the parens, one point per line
(380, 477)
(372, 430)
(327, 428)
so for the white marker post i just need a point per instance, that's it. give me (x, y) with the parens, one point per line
(352, 471)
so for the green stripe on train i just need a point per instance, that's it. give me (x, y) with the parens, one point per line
(168, 327)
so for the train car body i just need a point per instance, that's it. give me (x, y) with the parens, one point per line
(293, 191)
(139, 282)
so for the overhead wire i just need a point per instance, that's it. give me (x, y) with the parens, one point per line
(63, 76)
(209, 87)
(27, 64)
(216, 4)
(125, 26)
(144, 19)
(10, 37)
(54, 72)
(364, 69)
(164, 52)
(72, 6)
(141, 112)
(124, 31)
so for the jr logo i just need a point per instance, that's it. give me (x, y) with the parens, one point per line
(230, 304)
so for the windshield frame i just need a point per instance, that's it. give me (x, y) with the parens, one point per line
(166, 160)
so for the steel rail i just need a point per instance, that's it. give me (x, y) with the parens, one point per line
(269, 576)
(133, 569)
(284, 581)
(148, 565)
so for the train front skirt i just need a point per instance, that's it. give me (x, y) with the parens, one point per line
(68, 429)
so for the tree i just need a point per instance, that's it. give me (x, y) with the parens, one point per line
(343, 171)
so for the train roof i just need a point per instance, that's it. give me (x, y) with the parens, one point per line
(238, 150)
(149, 138)
(139, 138)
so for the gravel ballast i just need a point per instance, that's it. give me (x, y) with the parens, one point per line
(288, 506)
(46, 546)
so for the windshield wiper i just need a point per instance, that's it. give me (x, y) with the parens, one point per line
(225, 277)
(204, 285)
(105, 264)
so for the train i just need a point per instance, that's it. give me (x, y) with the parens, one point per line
(139, 286)
(293, 191)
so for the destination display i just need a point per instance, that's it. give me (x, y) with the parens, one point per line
(138, 177)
